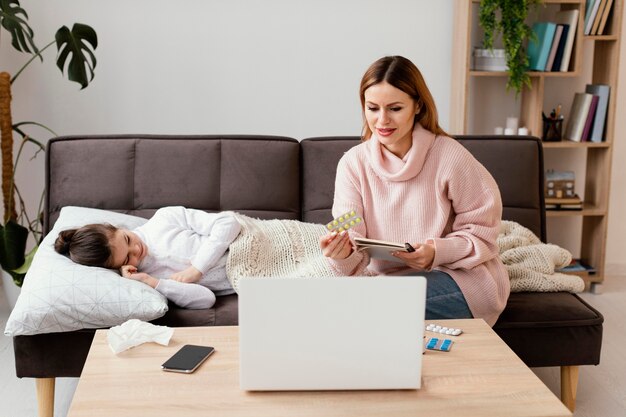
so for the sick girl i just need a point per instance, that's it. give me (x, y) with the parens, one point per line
(180, 252)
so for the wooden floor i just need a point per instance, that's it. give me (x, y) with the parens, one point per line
(601, 389)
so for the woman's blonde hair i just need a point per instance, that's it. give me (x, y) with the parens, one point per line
(404, 75)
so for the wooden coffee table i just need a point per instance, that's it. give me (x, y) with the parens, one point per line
(480, 376)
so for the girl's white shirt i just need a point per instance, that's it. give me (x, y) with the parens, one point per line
(178, 237)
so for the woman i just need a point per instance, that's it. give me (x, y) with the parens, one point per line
(188, 246)
(412, 183)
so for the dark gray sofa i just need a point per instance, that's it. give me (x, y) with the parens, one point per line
(276, 177)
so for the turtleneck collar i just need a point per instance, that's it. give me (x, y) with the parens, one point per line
(388, 166)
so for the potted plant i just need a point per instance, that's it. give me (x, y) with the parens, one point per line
(509, 18)
(74, 51)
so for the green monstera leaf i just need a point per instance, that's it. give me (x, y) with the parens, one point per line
(28, 261)
(13, 237)
(21, 33)
(83, 62)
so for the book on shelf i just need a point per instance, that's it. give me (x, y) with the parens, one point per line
(590, 117)
(539, 49)
(588, 8)
(569, 18)
(605, 16)
(381, 249)
(555, 45)
(598, 17)
(558, 58)
(564, 203)
(591, 15)
(578, 116)
(599, 121)
(578, 267)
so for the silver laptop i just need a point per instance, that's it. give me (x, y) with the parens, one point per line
(349, 333)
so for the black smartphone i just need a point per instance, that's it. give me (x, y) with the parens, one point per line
(187, 359)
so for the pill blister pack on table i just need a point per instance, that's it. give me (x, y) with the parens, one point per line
(443, 329)
(443, 345)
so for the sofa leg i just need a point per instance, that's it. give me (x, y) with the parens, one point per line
(569, 384)
(45, 396)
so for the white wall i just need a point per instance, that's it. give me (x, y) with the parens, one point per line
(274, 67)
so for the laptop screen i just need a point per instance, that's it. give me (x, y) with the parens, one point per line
(331, 333)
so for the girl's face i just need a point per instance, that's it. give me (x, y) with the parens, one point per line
(390, 114)
(127, 249)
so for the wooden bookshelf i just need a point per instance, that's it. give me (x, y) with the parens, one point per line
(594, 60)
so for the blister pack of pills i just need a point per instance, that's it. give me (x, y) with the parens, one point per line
(435, 343)
(443, 330)
(344, 222)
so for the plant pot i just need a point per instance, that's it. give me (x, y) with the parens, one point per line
(489, 60)
(11, 290)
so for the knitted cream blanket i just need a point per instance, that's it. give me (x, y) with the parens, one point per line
(531, 264)
(290, 248)
(276, 248)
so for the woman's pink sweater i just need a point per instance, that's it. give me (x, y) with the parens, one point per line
(438, 192)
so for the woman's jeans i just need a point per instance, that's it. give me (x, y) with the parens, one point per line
(444, 299)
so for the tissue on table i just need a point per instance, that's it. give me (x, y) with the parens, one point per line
(135, 332)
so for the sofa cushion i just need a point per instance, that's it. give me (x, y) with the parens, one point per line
(320, 157)
(52, 355)
(255, 175)
(546, 329)
(223, 313)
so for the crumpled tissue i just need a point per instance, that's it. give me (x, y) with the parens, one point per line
(135, 332)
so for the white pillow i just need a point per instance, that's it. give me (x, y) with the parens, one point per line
(59, 295)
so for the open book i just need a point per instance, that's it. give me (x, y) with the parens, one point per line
(381, 249)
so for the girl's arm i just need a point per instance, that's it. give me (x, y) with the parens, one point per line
(189, 275)
(192, 296)
(183, 295)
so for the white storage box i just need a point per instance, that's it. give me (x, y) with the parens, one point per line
(486, 60)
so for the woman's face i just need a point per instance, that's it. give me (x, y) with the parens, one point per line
(127, 249)
(390, 114)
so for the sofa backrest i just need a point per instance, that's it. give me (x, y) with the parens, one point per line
(261, 176)
(516, 163)
(319, 166)
(137, 174)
